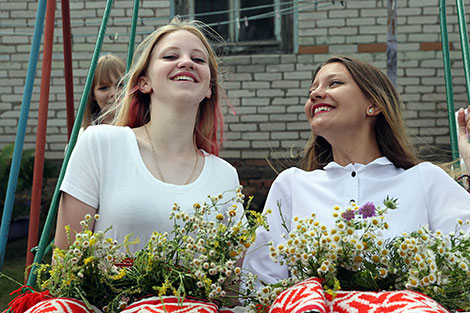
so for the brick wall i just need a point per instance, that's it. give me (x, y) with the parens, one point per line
(267, 91)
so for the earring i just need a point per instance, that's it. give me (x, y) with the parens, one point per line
(370, 110)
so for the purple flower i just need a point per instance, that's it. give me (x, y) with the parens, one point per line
(367, 210)
(348, 215)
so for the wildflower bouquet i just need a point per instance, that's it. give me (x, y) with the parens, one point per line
(86, 270)
(197, 259)
(436, 265)
(353, 255)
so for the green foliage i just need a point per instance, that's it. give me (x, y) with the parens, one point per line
(25, 178)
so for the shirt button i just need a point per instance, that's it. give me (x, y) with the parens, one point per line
(353, 174)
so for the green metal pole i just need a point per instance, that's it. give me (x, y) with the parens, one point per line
(448, 81)
(130, 50)
(464, 44)
(73, 139)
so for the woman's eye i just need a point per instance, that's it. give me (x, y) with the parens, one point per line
(199, 60)
(336, 82)
(169, 57)
(102, 88)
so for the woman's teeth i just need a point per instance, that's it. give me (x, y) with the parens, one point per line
(322, 109)
(186, 78)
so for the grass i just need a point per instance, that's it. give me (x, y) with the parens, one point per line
(14, 265)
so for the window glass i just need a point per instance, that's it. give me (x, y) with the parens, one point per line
(259, 27)
(217, 21)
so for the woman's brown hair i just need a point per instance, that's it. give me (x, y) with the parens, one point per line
(389, 127)
(108, 67)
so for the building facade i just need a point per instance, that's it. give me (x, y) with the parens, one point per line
(268, 53)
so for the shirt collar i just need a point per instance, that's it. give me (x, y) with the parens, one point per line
(382, 161)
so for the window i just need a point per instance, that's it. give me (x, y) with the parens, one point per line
(247, 26)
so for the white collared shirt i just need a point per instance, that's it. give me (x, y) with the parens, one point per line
(426, 195)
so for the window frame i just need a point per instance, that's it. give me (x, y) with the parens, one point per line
(283, 27)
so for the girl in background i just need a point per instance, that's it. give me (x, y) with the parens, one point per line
(106, 83)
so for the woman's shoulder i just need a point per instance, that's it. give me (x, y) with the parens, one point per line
(292, 173)
(430, 172)
(218, 163)
(428, 167)
(105, 132)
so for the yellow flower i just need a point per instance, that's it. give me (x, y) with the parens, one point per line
(219, 216)
(89, 260)
(120, 275)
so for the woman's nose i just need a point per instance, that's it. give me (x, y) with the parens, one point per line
(317, 93)
(112, 91)
(186, 61)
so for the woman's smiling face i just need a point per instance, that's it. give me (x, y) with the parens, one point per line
(335, 102)
(179, 68)
(104, 93)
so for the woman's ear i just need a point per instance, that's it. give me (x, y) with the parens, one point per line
(373, 110)
(209, 92)
(144, 84)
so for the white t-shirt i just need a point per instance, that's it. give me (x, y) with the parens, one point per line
(426, 195)
(106, 171)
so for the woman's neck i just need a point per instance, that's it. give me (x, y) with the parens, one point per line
(173, 130)
(356, 149)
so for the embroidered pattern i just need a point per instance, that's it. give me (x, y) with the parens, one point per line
(170, 305)
(403, 301)
(304, 297)
(308, 297)
(59, 305)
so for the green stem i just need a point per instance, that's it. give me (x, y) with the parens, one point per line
(11, 279)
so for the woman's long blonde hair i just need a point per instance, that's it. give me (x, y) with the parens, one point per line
(389, 128)
(134, 106)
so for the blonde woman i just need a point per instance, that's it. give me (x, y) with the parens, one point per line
(162, 147)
